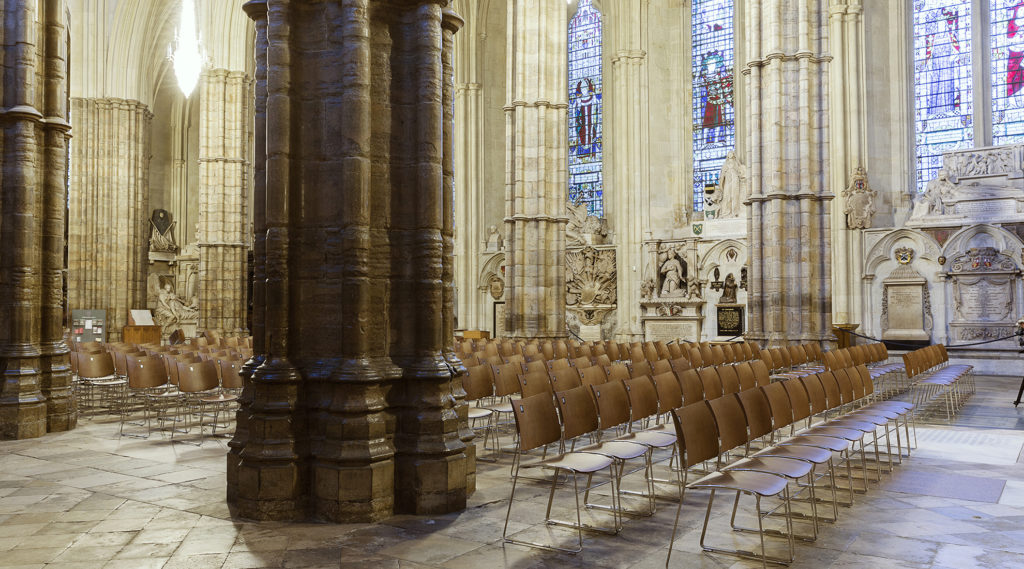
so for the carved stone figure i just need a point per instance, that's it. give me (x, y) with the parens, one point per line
(695, 290)
(930, 203)
(496, 286)
(729, 290)
(172, 309)
(860, 201)
(673, 273)
(494, 239)
(583, 229)
(161, 235)
(731, 187)
(590, 277)
(647, 289)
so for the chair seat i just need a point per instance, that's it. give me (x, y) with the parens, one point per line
(836, 432)
(830, 443)
(505, 407)
(755, 482)
(782, 466)
(479, 412)
(575, 461)
(650, 438)
(621, 450)
(808, 453)
(105, 380)
(219, 398)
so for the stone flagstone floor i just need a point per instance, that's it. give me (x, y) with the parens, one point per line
(89, 499)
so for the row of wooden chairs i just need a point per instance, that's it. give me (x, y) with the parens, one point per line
(934, 378)
(702, 353)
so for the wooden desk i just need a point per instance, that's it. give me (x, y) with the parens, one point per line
(141, 334)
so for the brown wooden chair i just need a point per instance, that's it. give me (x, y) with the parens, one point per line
(146, 377)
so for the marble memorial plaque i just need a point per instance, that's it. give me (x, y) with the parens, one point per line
(671, 330)
(499, 320)
(730, 321)
(906, 307)
(983, 301)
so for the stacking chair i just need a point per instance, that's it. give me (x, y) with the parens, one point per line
(581, 362)
(717, 356)
(761, 373)
(479, 384)
(537, 424)
(506, 384)
(691, 386)
(97, 374)
(618, 371)
(200, 389)
(146, 377)
(557, 364)
(535, 365)
(641, 368)
(661, 366)
(533, 383)
(673, 351)
(565, 379)
(730, 380)
(594, 375)
(745, 375)
(696, 358)
(698, 442)
(712, 384)
(602, 360)
(679, 365)
(670, 394)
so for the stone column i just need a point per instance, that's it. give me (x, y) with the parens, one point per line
(847, 104)
(354, 270)
(257, 10)
(225, 107)
(536, 169)
(787, 78)
(628, 125)
(35, 127)
(108, 229)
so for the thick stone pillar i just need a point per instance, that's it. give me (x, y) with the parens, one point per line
(257, 10)
(787, 78)
(33, 356)
(628, 127)
(847, 106)
(536, 171)
(224, 113)
(353, 414)
(108, 229)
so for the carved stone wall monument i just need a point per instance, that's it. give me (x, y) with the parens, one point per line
(906, 304)
(590, 283)
(977, 185)
(672, 304)
(859, 201)
(984, 289)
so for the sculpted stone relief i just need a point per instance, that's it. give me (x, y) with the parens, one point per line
(583, 229)
(931, 201)
(983, 162)
(161, 235)
(590, 277)
(860, 201)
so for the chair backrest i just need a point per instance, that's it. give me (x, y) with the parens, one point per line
(798, 399)
(578, 411)
(696, 358)
(479, 382)
(602, 360)
(695, 434)
(711, 383)
(95, 365)
(582, 362)
(691, 386)
(673, 351)
(560, 363)
(470, 361)
(145, 372)
(845, 380)
(783, 354)
(730, 380)
(779, 403)
(565, 379)
(515, 358)
(640, 368)
(745, 374)
(831, 361)
(534, 382)
(757, 411)
(651, 353)
(717, 356)
(705, 353)
(730, 421)
(769, 361)
(761, 373)
(670, 395)
(594, 375)
(612, 349)
(506, 379)
(660, 366)
(617, 371)
(643, 397)
(537, 365)
(194, 377)
(74, 363)
(846, 358)
(537, 421)
(815, 394)
(229, 373)
(679, 365)
(830, 385)
(612, 403)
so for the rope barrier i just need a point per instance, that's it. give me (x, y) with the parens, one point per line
(915, 346)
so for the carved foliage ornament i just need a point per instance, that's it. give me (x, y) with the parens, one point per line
(860, 201)
(590, 277)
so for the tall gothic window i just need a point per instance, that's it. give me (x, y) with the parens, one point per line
(1007, 17)
(714, 127)
(586, 183)
(942, 82)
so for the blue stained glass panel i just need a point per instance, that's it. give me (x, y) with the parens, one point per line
(714, 126)
(1007, 17)
(586, 181)
(943, 107)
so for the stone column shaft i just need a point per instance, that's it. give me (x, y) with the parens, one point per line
(33, 357)
(536, 169)
(790, 227)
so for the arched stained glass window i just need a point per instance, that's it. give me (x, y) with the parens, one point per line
(714, 127)
(942, 82)
(586, 183)
(1007, 17)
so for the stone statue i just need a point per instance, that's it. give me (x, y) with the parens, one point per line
(496, 286)
(494, 239)
(729, 290)
(161, 235)
(673, 273)
(583, 229)
(731, 183)
(171, 309)
(695, 291)
(931, 201)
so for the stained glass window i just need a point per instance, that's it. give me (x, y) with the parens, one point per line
(586, 184)
(1007, 17)
(942, 82)
(714, 129)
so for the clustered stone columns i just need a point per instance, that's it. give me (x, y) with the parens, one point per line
(786, 75)
(108, 228)
(536, 169)
(224, 164)
(350, 413)
(35, 389)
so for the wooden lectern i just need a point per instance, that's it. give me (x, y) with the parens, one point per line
(141, 329)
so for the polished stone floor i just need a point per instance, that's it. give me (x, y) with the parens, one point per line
(92, 499)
